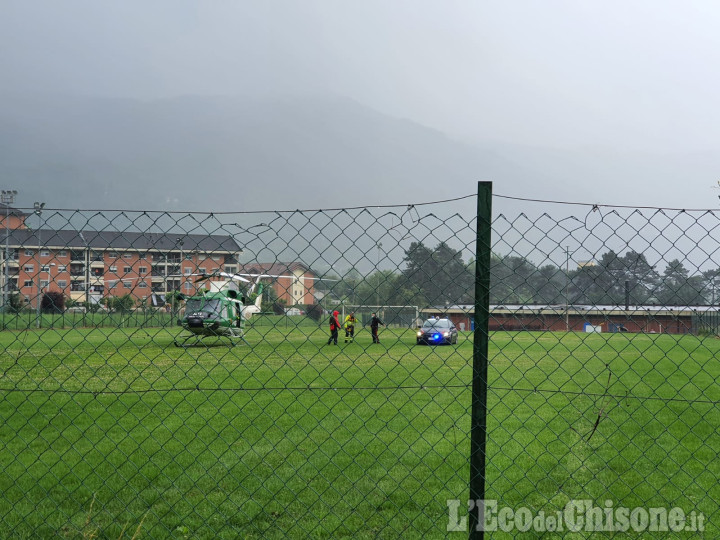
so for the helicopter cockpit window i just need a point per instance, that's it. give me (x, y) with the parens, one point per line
(211, 306)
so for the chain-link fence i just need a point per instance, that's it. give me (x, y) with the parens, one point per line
(359, 372)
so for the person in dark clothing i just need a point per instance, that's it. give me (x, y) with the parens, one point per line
(334, 327)
(375, 322)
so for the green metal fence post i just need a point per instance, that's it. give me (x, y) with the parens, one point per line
(478, 427)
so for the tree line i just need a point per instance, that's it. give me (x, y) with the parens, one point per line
(436, 276)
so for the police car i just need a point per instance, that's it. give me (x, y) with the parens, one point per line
(437, 332)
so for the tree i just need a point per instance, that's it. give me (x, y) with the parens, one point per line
(52, 302)
(642, 278)
(604, 282)
(510, 280)
(710, 280)
(278, 307)
(439, 273)
(548, 284)
(677, 287)
(314, 311)
(120, 304)
(15, 302)
(377, 288)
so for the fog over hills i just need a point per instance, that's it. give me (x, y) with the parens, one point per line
(224, 154)
(206, 154)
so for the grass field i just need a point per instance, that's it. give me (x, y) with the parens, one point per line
(107, 430)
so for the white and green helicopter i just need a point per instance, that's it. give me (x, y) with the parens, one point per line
(222, 309)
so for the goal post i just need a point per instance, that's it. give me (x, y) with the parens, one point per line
(392, 316)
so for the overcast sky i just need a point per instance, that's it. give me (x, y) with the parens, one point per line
(634, 79)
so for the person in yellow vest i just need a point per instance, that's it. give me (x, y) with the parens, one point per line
(350, 321)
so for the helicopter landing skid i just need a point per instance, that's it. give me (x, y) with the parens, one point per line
(197, 340)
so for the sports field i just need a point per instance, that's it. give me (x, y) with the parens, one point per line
(107, 431)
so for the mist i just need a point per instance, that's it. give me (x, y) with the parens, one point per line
(320, 103)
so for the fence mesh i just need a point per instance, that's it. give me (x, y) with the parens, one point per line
(147, 386)
(175, 374)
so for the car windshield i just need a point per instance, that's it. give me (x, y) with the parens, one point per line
(195, 305)
(436, 323)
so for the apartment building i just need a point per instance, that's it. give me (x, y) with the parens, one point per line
(11, 217)
(90, 265)
(296, 288)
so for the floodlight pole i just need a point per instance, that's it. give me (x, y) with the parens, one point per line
(8, 198)
(567, 284)
(38, 211)
(377, 289)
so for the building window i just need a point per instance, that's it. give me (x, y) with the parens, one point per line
(44, 253)
(45, 268)
(62, 268)
(203, 271)
(231, 269)
(113, 269)
(44, 283)
(62, 253)
(127, 284)
(142, 285)
(112, 284)
(28, 283)
(127, 255)
(29, 253)
(188, 286)
(62, 284)
(113, 254)
(188, 271)
(29, 268)
(127, 269)
(142, 270)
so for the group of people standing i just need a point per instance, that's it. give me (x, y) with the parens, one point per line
(349, 326)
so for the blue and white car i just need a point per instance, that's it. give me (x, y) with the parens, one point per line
(437, 332)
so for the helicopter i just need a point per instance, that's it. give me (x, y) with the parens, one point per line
(221, 310)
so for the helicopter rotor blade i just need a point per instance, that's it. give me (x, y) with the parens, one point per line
(234, 277)
(286, 276)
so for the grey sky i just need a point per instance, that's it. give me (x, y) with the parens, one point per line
(629, 88)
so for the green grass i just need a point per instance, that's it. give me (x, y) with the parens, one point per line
(28, 319)
(288, 437)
